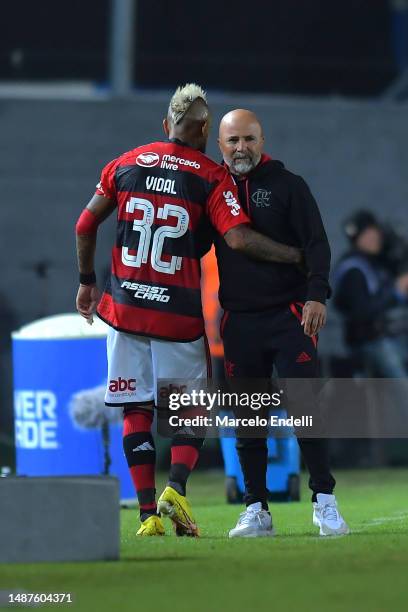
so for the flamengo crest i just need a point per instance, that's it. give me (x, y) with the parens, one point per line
(261, 198)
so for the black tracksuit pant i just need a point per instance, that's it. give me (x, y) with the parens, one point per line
(254, 342)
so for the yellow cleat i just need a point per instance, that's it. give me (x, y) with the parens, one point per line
(152, 526)
(177, 508)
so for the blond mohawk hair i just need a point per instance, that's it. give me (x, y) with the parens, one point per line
(182, 99)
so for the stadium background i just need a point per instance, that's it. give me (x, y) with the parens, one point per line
(324, 78)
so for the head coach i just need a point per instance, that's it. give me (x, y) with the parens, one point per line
(273, 312)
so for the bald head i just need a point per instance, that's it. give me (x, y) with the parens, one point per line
(241, 141)
(240, 119)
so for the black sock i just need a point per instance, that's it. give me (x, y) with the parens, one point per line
(178, 477)
(144, 514)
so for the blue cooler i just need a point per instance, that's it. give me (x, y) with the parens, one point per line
(282, 477)
(62, 427)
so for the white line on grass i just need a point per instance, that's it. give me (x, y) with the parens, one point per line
(381, 520)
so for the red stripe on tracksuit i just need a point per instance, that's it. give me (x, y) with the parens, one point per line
(208, 357)
(223, 322)
(299, 316)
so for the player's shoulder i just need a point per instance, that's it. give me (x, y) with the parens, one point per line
(186, 158)
(214, 170)
(193, 161)
(142, 155)
(207, 161)
(201, 161)
(146, 155)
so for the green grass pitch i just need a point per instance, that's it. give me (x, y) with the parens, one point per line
(295, 570)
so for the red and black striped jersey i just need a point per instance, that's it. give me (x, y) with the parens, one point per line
(169, 197)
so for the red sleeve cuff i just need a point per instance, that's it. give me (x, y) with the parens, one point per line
(87, 223)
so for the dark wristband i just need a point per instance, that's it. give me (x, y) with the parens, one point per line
(87, 279)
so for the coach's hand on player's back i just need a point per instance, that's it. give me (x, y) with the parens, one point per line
(313, 317)
(87, 300)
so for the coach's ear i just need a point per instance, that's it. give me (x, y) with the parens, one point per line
(166, 127)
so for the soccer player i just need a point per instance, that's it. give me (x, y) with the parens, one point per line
(273, 313)
(166, 196)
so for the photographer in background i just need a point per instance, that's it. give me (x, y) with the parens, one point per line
(371, 293)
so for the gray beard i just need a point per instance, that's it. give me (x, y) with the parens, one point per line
(243, 166)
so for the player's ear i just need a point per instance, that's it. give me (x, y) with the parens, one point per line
(166, 127)
(205, 128)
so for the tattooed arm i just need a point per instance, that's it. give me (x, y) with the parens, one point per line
(257, 246)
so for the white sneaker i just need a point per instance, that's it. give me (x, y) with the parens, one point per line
(253, 523)
(327, 517)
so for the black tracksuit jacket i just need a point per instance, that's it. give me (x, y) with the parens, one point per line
(280, 205)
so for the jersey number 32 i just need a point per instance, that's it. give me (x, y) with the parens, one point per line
(144, 227)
